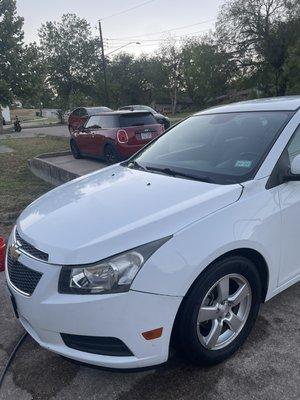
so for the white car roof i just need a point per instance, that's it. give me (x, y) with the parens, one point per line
(288, 103)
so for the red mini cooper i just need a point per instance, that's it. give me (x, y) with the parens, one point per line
(114, 136)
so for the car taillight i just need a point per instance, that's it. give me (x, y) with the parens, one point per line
(122, 136)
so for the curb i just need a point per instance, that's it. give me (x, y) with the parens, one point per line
(44, 169)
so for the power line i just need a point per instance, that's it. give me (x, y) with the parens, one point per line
(128, 9)
(159, 32)
(154, 41)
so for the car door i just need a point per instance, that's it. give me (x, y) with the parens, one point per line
(108, 125)
(289, 198)
(96, 142)
(84, 137)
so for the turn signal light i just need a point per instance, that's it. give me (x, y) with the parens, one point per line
(154, 334)
(122, 136)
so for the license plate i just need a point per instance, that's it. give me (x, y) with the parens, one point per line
(14, 304)
(146, 135)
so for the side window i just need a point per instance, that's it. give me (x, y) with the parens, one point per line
(93, 122)
(293, 148)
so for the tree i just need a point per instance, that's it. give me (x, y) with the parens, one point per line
(292, 69)
(34, 86)
(258, 33)
(71, 54)
(170, 59)
(155, 80)
(11, 42)
(207, 70)
(124, 82)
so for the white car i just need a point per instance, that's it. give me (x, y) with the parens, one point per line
(176, 247)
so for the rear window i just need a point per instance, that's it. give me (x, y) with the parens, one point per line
(140, 119)
(103, 122)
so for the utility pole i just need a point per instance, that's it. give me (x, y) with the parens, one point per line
(103, 64)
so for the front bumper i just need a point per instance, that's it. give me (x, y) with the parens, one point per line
(46, 314)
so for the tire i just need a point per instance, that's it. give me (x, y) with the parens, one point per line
(75, 150)
(166, 124)
(193, 333)
(110, 154)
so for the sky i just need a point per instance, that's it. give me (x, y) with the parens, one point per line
(142, 24)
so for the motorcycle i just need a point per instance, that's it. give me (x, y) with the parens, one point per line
(17, 125)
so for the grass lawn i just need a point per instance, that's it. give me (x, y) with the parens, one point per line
(18, 186)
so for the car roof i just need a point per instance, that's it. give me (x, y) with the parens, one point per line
(91, 110)
(135, 105)
(287, 103)
(123, 112)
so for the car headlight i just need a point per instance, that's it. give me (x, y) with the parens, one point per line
(112, 275)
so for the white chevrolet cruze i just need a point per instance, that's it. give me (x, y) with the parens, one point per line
(178, 246)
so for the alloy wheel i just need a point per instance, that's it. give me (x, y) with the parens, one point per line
(224, 311)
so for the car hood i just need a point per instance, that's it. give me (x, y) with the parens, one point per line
(116, 209)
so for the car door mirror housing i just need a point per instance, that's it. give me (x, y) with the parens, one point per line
(293, 173)
(295, 165)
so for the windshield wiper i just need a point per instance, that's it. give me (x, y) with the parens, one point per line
(172, 172)
(135, 164)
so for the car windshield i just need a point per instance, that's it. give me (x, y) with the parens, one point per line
(221, 148)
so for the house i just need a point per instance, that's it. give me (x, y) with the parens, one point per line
(49, 112)
(6, 115)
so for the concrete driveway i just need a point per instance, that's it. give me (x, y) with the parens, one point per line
(266, 368)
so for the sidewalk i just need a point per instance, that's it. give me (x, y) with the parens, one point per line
(53, 130)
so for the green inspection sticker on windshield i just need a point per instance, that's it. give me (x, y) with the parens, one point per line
(243, 164)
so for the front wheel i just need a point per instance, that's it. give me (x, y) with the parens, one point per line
(75, 149)
(219, 312)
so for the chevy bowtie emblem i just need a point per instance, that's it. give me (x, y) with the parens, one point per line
(14, 251)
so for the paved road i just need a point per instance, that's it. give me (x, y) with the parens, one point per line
(56, 130)
(266, 368)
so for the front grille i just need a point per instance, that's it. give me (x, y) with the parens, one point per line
(106, 346)
(31, 250)
(23, 278)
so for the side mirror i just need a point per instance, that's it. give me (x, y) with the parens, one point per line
(295, 165)
(81, 129)
(294, 172)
